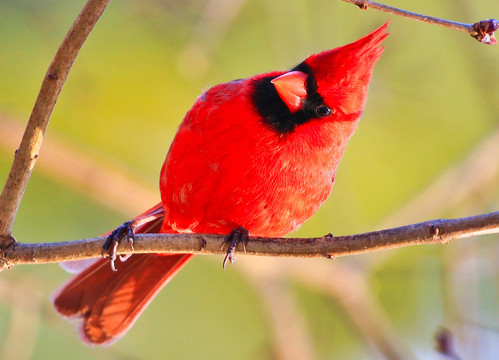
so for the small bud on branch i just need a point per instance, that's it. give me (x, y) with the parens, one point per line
(485, 31)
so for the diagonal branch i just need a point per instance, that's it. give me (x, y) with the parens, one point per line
(429, 232)
(52, 84)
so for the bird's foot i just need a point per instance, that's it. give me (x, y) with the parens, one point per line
(236, 236)
(126, 230)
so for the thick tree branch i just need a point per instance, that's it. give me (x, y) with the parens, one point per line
(52, 84)
(429, 232)
(483, 30)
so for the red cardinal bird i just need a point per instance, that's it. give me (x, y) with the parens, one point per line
(253, 156)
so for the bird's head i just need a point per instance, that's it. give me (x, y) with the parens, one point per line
(333, 84)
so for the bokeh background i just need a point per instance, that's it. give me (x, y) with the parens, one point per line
(427, 147)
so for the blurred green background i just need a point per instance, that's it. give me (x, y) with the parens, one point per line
(427, 147)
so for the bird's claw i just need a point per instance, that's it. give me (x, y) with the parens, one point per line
(110, 246)
(236, 236)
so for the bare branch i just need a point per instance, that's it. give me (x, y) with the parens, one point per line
(482, 30)
(429, 232)
(52, 84)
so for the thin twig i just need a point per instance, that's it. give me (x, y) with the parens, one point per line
(483, 30)
(429, 232)
(51, 87)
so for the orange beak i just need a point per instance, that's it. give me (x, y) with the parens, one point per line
(291, 88)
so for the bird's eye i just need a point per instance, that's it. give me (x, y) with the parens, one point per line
(323, 111)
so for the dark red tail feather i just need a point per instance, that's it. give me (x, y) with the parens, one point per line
(108, 302)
